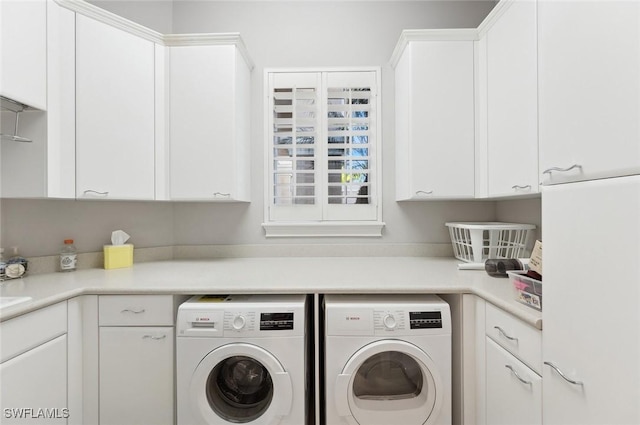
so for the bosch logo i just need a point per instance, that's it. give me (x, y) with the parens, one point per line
(202, 319)
(352, 318)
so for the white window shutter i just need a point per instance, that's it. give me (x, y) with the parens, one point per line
(323, 146)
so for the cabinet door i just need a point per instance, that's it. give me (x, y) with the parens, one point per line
(206, 122)
(435, 154)
(34, 385)
(23, 42)
(114, 113)
(589, 62)
(46, 166)
(514, 392)
(512, 103)
(136, 375)
(591, 233)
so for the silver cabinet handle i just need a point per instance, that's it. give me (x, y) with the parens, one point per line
(559, 372)
(154, 337)
(515, 373)
(504, 334)
(516, 187)
(95, 192)
(129, 310)
(424, 192)
(222, 194)
(561, 170)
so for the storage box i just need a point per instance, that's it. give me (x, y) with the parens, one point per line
(477, 242)
(528, 290)
(118, 256)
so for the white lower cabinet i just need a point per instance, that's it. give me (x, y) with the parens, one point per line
(136, 375)
(502, 366)
(514, 391)
(591, 341)
(33, 368)
(136, 371)
(34, 385)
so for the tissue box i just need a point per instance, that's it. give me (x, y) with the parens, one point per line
(118, 256)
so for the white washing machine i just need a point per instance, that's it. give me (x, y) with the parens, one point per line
(387, 360)
(241, 359)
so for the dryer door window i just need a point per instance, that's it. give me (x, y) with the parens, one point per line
(239, 389)
(389, 381)
(390, 375)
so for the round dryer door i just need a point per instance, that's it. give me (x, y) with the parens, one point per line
(387, 382)
(241, 384)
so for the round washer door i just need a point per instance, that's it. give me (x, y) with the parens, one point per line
(387, 382)
(240, 384)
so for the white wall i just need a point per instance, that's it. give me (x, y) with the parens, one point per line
(154, 14)
(278, 34)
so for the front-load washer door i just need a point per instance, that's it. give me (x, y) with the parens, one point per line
(240, 384)
(389, 382)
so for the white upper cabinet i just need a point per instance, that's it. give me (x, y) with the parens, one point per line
(209, 123)
(23, 43)
(512, 105)
(434, 74)
(115, 112)
(589, 62)
(45, 167)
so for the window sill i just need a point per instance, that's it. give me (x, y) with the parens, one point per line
(324, 229)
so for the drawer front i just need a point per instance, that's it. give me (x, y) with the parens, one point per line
(514, 391)
(32, 329)
(515, 336)
(135, 310)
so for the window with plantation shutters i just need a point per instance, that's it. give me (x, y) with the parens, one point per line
(322, 142)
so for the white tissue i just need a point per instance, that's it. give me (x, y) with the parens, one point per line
(119, 237)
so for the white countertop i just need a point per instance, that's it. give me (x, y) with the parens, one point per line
(284, 275)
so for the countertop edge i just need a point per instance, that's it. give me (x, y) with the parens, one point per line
(28, 307)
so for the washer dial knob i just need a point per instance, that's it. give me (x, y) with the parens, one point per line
(389, 321)
(238, 322)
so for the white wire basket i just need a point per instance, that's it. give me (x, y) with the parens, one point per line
(477, 242)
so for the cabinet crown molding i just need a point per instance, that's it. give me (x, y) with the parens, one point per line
(109, 18)
(408, 36)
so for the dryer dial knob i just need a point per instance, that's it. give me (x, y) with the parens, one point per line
(389, 321)
(238, 322)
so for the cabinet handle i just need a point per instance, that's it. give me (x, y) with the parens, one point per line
(563, 376)
(519, 187)
(515, 373)
(95, 192)
(128, 310)
(424, 192)
(222, 194)
(504, 334)
(154, 337)
(561, 170)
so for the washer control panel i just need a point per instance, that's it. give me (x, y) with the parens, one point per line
(425, 319)
(276, 321)
(389, 320)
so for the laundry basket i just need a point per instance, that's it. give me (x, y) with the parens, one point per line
(476, 242)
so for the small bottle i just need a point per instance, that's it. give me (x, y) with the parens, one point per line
(68, 256)
(3, 264)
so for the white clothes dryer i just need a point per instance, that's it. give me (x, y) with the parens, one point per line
(241, 359)
(387, 360)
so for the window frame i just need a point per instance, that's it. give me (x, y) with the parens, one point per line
(349, 225)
